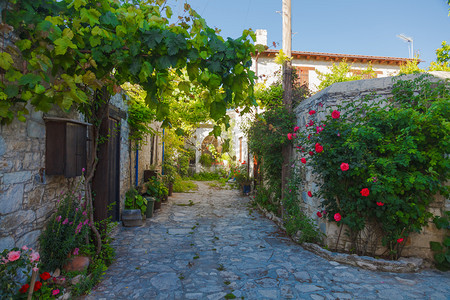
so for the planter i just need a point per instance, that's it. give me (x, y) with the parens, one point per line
(170, 189)
(148, 174)
(150, 206)
(77, 263)
(246, 189)
(132, 218)
(157, 204)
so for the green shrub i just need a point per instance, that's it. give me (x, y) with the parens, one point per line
(396, 153)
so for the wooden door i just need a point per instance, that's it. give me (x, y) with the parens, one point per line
(106, 182)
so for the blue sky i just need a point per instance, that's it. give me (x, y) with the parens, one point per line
(364, 27)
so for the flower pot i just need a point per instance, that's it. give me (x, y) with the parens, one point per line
(132, 217)
(77, 263)
(150, 206)
(246, 189)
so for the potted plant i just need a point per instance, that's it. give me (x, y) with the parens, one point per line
(135, 208)
(156, 188)
(242, 178)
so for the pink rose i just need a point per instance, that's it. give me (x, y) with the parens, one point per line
(289, 136)
(296, 128)
(335, 114)
(319, 129)
(13, 255)
(55, 292)
(34, 256)
(400, 240)
(24, 248)
(344, 167)
(337, 217)
(311, 112)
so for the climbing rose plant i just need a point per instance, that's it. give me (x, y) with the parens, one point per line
(381, 162)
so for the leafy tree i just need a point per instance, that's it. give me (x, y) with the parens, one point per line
(442, 62)
(342, 72)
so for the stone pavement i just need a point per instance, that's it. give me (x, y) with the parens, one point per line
(211, 245)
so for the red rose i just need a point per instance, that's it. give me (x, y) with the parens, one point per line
(337, 217)
(319, 148)
(311, 112)
(380, 203)
(303, 160)
(45, 276)
(309, 137)
(311, 153)
(296, 128)
(309, 193)
(335, 114)
(319, 214)
(365, 192)
(400, 240)
(289, 136)
(24, 288)
(344, 166)
(37, 286)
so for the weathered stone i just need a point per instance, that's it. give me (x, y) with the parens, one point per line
(302, 276)
(6, 243)
(32, 161)
(307, 288)
(165, 281)
(45, 210)
(6, 166)
(16, 177)
(2, 146)
(11, 199)
(269, 294)
(11, 222)
(29, 239)
(35, 129)
(34, 197)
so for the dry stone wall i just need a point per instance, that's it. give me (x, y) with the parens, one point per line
(334, 95)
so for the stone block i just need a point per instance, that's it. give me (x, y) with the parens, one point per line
(32, 161)
(35, 129)
(5, 166)
(11, 199)
(2, 146)
(45, 210)
(29, 239)
(6, 243)
(16, 177)
(12, 222)
(34, 197)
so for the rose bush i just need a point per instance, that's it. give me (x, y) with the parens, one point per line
(381, 161)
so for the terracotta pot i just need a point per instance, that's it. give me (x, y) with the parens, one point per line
(77, 263)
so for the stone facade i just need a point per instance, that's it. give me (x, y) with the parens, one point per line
(417, 244)
(28, 196)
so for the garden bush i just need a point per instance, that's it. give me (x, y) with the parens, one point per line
(381, 161)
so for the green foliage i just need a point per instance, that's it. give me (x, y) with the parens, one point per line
(396, 149)
(71, 48)
(268, 198)
(184, 186)
(66, 230)
(342, 72)
(296, 222)
(156, 188)
(241, 174)
(209, 176)
(442, 250)
(133, 200)
(267, 135)
(442, 62)
(206, 160)
(411, 67)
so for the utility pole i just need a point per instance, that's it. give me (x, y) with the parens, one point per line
(287, 93)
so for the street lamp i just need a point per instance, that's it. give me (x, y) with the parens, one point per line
(409, 40)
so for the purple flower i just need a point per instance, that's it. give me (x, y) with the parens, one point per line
(75, 251)
(85, 222)
(78, 229)
(84, 213)
(58, 219)
(65, 221)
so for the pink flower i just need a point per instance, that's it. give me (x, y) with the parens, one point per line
(309, 137)
(365, 192)
(320, 104)
(380, 203)
(337, 217)
(400, 240)
(344, 167)
(294, 135)
(319, 129)
(303, 160)
(311, 123)
(58, 219)
(311, 112)
(85, 222)
(55, 292)
(13, 255)
(296, 128)
(85, 213)
(75, 251)
(78, 229)
(335, 114)
(24, 248)
(309, 194)
(338, 134)
(319, 214)
(35, 269)
(34, 256)
(319, 148)
(289, 136)
(83, 170)
(65, 221)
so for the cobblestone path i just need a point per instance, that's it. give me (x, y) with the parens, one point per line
(219, 247)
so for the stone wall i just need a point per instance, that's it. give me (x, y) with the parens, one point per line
(28, 196)
(417, 244)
